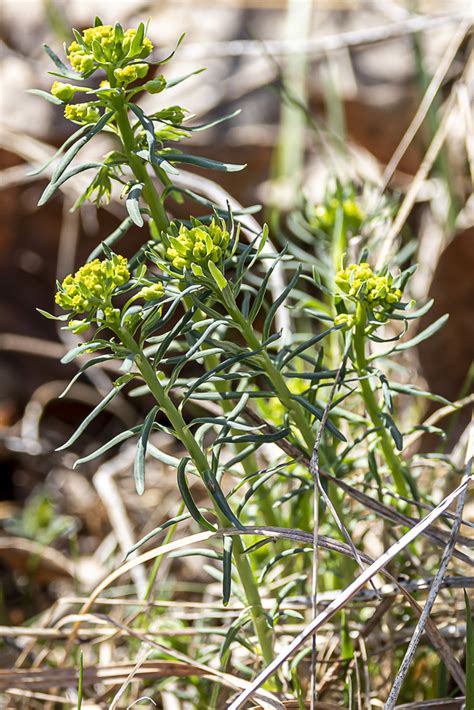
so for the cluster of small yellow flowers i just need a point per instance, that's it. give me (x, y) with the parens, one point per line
(104, 44)
(360, 283)
(324, 216)
(82, 113)
(344, 319)
(62, 91)
(198, 245)
(132, 72)
(92, 286)
(152, 293)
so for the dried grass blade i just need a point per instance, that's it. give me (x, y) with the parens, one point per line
(347, 594)
(435, 587)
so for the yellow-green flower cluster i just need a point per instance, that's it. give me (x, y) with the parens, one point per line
(360, 283)
(93, 285)
(131, 72)
(82, 113)
(153, 292)
(198, 245)
(324, 216)
(105, 45)
(63, 91)
(345, 319)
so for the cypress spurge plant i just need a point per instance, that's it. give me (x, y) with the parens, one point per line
(196, 295)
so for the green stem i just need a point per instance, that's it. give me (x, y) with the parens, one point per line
(262, 629)
(244, 569)
(249, 464)
(386, 443)
(274, 375)
(150, 195)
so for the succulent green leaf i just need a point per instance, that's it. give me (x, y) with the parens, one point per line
(139, 464)
(53, 186)
(187, 497)
(202, 162)
(74, 150)
(65, 71)
(318, 413)
(217, 275)
(97, 410)
(133, 203)
(123, 436)
(46, 95)
(112, 239)
(227, 570)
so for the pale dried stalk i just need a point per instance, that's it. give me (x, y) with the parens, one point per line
(349, 592)
(425, 104)
(435, 587)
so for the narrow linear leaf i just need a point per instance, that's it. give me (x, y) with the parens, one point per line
(282, 556)
(156, 531)
(217, 275)
(187, 497)
(139, 463)
(318, 413)
(161, 456)
(171, 55)
(211, 124)
(255, 438)
(424, 335)
(227, 570)
(80, 349)
(72, 139)
(80, 143)
(109, 241)
(52, 187)
(276, 305)
(50, 316)
(387, 397)
(220, 499)
(46, 95)
(415, 392)
(123, 436)
(97, 410)
(393, 429)
(414, 314)
(202, 162)
(180, 79)
(309, 343)
(65, 71)
(148, 127)
(132, 203)
(90, 363)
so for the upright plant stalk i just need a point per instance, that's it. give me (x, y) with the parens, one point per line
(262, 629)
(386, 442)
(150, 195)
(154, 201)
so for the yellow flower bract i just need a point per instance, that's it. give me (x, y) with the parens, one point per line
(92, 286)
(198, 245)
(360, 283)
(103, 45)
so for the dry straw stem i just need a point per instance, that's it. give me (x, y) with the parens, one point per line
(439, 537)
(423, 171)
(347, 594)
(321, 45)
(109, 494)
(296, 535)
(424, 107)
(435, 587)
